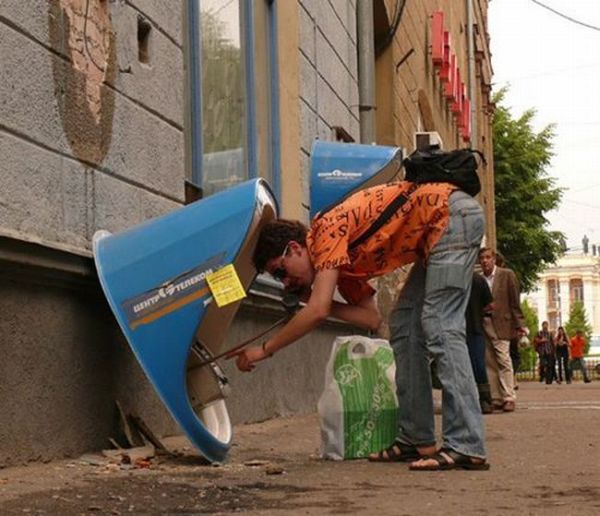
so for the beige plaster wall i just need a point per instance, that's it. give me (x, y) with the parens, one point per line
(409, 92)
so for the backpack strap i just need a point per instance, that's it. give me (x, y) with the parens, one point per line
(385, 215)
(479, 153)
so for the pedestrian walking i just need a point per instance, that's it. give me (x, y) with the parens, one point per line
(562, 355)
(577, 346)
(506, 322)
(544, 345)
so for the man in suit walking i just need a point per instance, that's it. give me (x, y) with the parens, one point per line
(506, 322)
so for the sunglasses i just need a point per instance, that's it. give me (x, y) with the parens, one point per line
(280, 273)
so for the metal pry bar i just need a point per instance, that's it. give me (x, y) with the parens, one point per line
(290, 303)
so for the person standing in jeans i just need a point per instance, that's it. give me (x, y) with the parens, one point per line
(562, 355)
(439, 229)
(544, 345)
(577, 348)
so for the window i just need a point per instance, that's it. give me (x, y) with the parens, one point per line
(576, 290)
(553, 294)
(225, 59)
(223, 95)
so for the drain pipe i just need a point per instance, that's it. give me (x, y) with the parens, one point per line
(472, 89)
(192, 93)
(366, 70)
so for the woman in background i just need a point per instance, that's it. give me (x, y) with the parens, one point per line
(562, 354)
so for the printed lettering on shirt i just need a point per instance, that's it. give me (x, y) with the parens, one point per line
(410, 232)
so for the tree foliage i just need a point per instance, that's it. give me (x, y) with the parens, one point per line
(531, 318)
(578, 321)
(524, 193)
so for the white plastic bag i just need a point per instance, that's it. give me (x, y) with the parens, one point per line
(358, 408)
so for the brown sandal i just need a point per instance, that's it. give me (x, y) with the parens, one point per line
(449, 459)
(396, 452)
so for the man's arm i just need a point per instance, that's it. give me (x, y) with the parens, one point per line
(316, 310)
(515, 302)
(364, 314)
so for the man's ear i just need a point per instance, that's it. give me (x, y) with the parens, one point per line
(295, 246)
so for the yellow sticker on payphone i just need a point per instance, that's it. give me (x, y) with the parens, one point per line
(225, 286)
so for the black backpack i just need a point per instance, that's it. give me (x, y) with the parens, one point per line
(458, 167)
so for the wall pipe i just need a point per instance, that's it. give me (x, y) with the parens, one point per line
(472, 89)
(192, 93)
(366, 70)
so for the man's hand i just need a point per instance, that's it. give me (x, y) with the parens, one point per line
(305, 320)
(246, 358)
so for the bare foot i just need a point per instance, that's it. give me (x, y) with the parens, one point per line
(448, 459)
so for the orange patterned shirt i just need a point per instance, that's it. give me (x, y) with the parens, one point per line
(409, 234)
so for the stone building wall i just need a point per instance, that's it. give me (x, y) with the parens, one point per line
(328, 75)
(91, 137)
(88, 143)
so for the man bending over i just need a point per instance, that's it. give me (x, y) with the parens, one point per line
(438, 228)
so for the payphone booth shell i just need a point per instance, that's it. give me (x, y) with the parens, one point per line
(154, 277)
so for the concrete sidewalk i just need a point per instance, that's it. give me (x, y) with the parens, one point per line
(545, 459)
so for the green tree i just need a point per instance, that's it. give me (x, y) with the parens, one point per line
(524, 193)
(578, 321)
(528, 354)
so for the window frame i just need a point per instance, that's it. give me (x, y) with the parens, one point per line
(194, 148)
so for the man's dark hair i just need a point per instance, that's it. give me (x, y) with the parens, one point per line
(273, 238)
(485, 249)
(500, 261)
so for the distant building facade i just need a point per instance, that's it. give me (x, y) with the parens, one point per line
(574, 277)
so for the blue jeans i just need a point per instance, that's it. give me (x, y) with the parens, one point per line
(549, 367)
(562, 361)
(428, 321)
